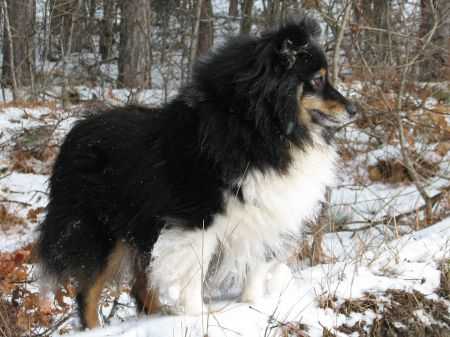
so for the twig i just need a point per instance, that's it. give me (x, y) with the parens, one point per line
(403, 148)
(54, 327)
(340, 37)
(11, 49)
(388, 219)
(194, 43)
(15, 202)
(114, 309)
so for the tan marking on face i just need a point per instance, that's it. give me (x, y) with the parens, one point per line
(303, 116)
(94, 292)
(323, 72)
(328, 107)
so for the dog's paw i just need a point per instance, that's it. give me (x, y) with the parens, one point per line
(194, 307)
(278, 279)
(186, 302)
(253, 293)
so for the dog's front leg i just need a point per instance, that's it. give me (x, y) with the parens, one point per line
(192, 294)
(180, 264)
(255, 282)
(191, 298)
(265, 279)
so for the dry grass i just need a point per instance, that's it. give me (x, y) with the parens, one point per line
(444, 287)
(294, 329)
(399, 314)
(368, 302)
(8, 320)
(8, 219)
(29, 104)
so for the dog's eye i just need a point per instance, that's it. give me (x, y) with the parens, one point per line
(318, 82)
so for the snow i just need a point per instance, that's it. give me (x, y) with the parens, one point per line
(28, 189)
(19, 192)
(408, 263)
(385, 256)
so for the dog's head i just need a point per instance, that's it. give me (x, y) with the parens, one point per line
(290, 80)
(319, 102)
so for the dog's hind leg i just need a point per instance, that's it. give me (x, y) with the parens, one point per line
(90, 290)
(146, 297)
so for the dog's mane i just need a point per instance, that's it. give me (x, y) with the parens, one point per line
(248, 100)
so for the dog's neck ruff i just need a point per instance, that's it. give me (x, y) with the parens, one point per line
(275, 205)
(268, 217)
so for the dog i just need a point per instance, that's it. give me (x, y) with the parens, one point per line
(232, 166)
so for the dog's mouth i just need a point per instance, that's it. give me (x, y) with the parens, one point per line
(324, 119)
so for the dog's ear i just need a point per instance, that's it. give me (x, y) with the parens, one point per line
(296, 37)
(290, 51)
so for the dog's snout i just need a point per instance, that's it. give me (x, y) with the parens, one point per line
(351, 109)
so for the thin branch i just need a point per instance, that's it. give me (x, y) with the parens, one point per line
(386, 220)
(340, 37)
(194, 41)
(12, 68)
(403, 147)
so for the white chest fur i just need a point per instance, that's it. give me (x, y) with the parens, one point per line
(275, 206)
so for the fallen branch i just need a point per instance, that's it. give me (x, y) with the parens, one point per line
(386, 220)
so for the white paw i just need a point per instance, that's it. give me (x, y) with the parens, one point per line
(194, 307)
(254, 292)
(278, 279)
(191, 300)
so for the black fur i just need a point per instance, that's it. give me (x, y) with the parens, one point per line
(121, 173)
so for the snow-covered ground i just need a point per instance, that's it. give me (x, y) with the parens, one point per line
(408, 263)
(368, 261)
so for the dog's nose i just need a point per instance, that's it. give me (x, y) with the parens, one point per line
(351, 109)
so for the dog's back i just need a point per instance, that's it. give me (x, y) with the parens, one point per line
(78, 233)
(94, 194)
(119, 175)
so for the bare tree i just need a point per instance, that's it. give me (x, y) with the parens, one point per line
(107, 29)
(195, 33)
(233, 8)
(247, 16)
(435, 65)
(67, 25)
(206, 28)
(18, 49)
(311, 4)
(134, 51)
(273, 12)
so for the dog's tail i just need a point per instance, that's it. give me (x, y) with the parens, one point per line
(70, 246)
(72, 241)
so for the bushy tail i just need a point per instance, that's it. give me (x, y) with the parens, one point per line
(70, 246)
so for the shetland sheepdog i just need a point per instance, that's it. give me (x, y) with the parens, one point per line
(233, 166)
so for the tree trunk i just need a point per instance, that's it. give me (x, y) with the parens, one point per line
(247, 18)
(107, 29)
(444, 32)
(134, 51)
(311, 4)
(233, 8)
(18, 50)
(436, 63)
(195, 35)
(274, 13)
(206, 29)
(68, 25)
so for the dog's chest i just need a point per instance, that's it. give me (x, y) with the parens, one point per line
(295, 193)
(274, 203)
